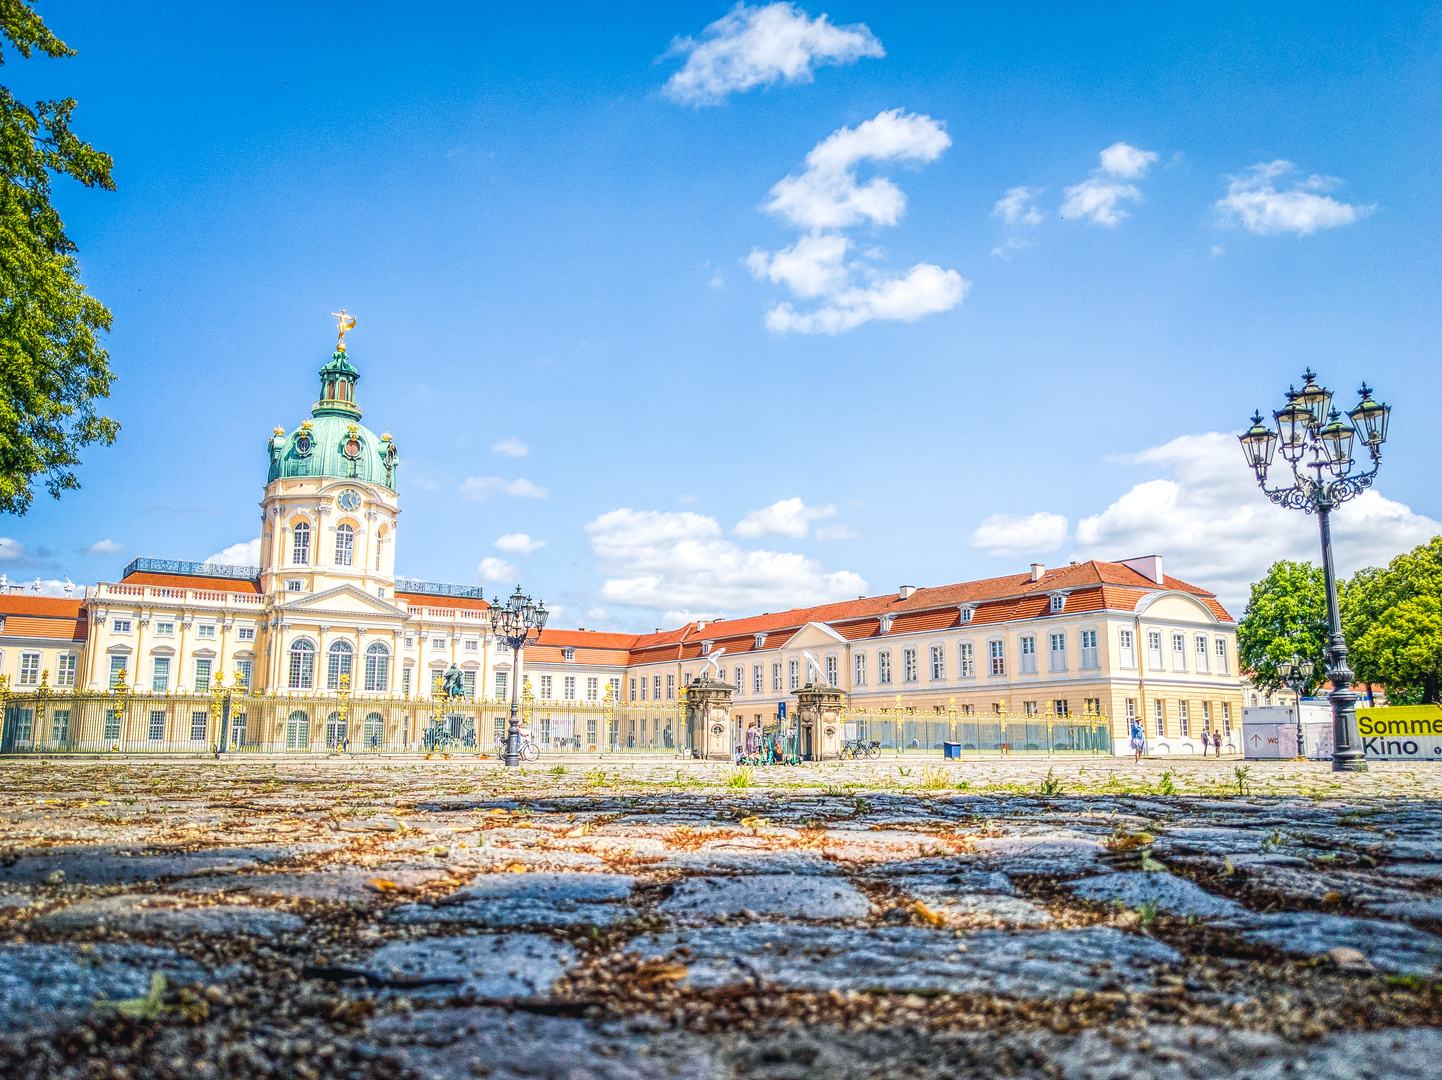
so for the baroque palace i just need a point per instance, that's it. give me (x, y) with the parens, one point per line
(330, 649)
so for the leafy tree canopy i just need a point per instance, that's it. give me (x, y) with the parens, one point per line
(1393, 619)
(1286, 615)
(52, 368)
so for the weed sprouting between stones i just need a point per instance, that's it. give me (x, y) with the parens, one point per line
(935, 778)
(1051, 785)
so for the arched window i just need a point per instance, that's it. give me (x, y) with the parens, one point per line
(340, 664)
(344, 545)
(297, 731)
(302, 665)
(300, 551)
(335, 733)
(378, 662)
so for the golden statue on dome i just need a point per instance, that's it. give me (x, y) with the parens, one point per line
(347, 322)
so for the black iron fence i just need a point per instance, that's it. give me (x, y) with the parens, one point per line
(977, 733)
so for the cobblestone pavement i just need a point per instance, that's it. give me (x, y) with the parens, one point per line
(1081, 918)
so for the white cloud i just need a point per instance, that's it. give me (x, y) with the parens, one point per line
(924, 290)
(11, 549)
(758, 46)
(1011, 245)
(1254, 200)
(481, 488)
(1214, 528)
(598, 614)
(813, 266)
(519, 544)
(1016, 207)
(511, 447)
(495, 571)
(837, 532)
(1014, 534)
(1098, 196)
(246, 553)
(788, 517)
(680, 564)
(104, 547)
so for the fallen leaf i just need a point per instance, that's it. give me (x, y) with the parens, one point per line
(659, 971)
(935, 918)
(515, 868)
(145, 1008)
(386, 885)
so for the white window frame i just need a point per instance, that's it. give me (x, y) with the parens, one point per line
(938, 663)
(910, 669)
(1027, 644)
(996, 652)
(120, 626)
(165, 629)
(1184, 719)
(593, 688)
(793, 674)
(776, 677)
(883, 668)
(758, 679)
(344, 545)
(966, 659)
(833, 670)
(245, 633)
(29, 669)
(1056, 651)
(1156, 659)
(1058, 603)
(159, 674)
(1126, 650)
(66, 665)
(1222, 664)
(1179, 651)
(568, 688)
(1090, 652)
(858, 669)
(300, 544)
(1204, 657)
(547, 686)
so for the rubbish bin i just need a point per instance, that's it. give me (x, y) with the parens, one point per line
(951, 749)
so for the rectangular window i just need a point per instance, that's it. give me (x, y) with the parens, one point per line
(546, 687)
(998, 658)
(159, 674)
(545, 730)
(117, 671)
(156, 731)
(1126, 653)
(29, 669)
(202, 675)
(740, 678)
(938, 662)
(756, 684)
(569, 687)
(645, 682)
(1184, 719)
(568, 654)
(293, 585)
(1028, 655)
(776, 677)
(968, 660)
(883, 668)
(1057, 658)
(60, 726)
(831, 672)
(406, 681)
(409, 643)
(242, 671)
(205, 630)
(860, 676)
(1092, 706)
(300, 550)
(1131, 708)
(969, 709)
(908, 665)
(245, 633)
(656, 687)
(793, 674)
(593, 689)
(591, 732)
(438, 643)
(1206, 713)
(1154, 649)
(615, 685)
(1221, 656)
(167, 629)
(473, 646)
(1203, 657)
(112, 724)
(633, 689)
(1028, 708)
(1227, 711)
(198, 724)
(1090, 654)
(468, 685)
(1160, 710)
(1179, 652)
(502, 681)
(344, 545)
(121, 626)
(1060, 707)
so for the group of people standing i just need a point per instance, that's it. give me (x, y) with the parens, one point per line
(1212, 738)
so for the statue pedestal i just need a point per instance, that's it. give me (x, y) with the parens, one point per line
(818, 712)
(708, 719)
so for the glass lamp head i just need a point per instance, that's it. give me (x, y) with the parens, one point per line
(1370, 419)
(1306, 669)
(1259, 443)
(1317, 400)
(1294, 422)
(1336, 439)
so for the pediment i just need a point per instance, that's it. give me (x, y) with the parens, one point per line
(815, 634)
(342, 600)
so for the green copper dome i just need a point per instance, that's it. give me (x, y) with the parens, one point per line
(334, 443)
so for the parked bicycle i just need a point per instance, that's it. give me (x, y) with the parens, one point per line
(858, 748)
(528, 749)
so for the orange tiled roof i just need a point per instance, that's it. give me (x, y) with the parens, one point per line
(193, 581)
(470, 603)
(43, 617)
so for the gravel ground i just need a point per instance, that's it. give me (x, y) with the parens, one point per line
(394, 918)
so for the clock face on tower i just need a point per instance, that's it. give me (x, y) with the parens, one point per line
(349, 500)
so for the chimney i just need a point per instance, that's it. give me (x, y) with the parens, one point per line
(1038, 571)
(581, 629)
(1149, 566)
(658, 629)
(905, 591)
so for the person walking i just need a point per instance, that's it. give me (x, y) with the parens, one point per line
(1217, 741)
(753, 741)
(1139, 740)
(1206, 741)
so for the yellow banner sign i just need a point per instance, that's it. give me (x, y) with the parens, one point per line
(1402, 732)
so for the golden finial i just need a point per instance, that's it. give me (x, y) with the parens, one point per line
(346, 322)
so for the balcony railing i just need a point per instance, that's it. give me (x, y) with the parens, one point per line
(433, 588)
(194, 569)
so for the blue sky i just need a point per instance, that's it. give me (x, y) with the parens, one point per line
(746, 378)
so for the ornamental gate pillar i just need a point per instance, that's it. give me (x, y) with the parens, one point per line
(708, 719)
(818, 714)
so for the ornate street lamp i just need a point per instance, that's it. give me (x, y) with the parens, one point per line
(1296, 673)
(512, 622)
(1318, 444)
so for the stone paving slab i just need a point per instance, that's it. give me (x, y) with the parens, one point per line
(955, 898)
(1390, 946)
(485, 965)
(540, 899)
(345, 885)
(910, 959)
(770, 862)
(496, 858)
(1172, 895)
(45, 986)
(855, 845)
(158, 913)
(1041, 854)
(796, 895)
(92, 866)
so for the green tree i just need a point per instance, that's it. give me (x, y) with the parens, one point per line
(1286, 614)
(52, 368)
(1393, 620)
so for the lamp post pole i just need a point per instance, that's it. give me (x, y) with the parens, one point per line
(512, 622)
(1313, 438)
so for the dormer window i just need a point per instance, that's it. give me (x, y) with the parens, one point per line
(706, 648)
(760, 640)
(886, 621)
(568, 654)
(967, 613)
(1058, 601)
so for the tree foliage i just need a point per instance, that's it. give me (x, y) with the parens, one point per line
(52, 368)
(1286, 614)
(1393, 619)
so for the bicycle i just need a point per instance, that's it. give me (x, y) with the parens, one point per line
(528, 749)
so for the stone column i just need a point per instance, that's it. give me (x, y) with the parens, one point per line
(818, 712)
(708, 719)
